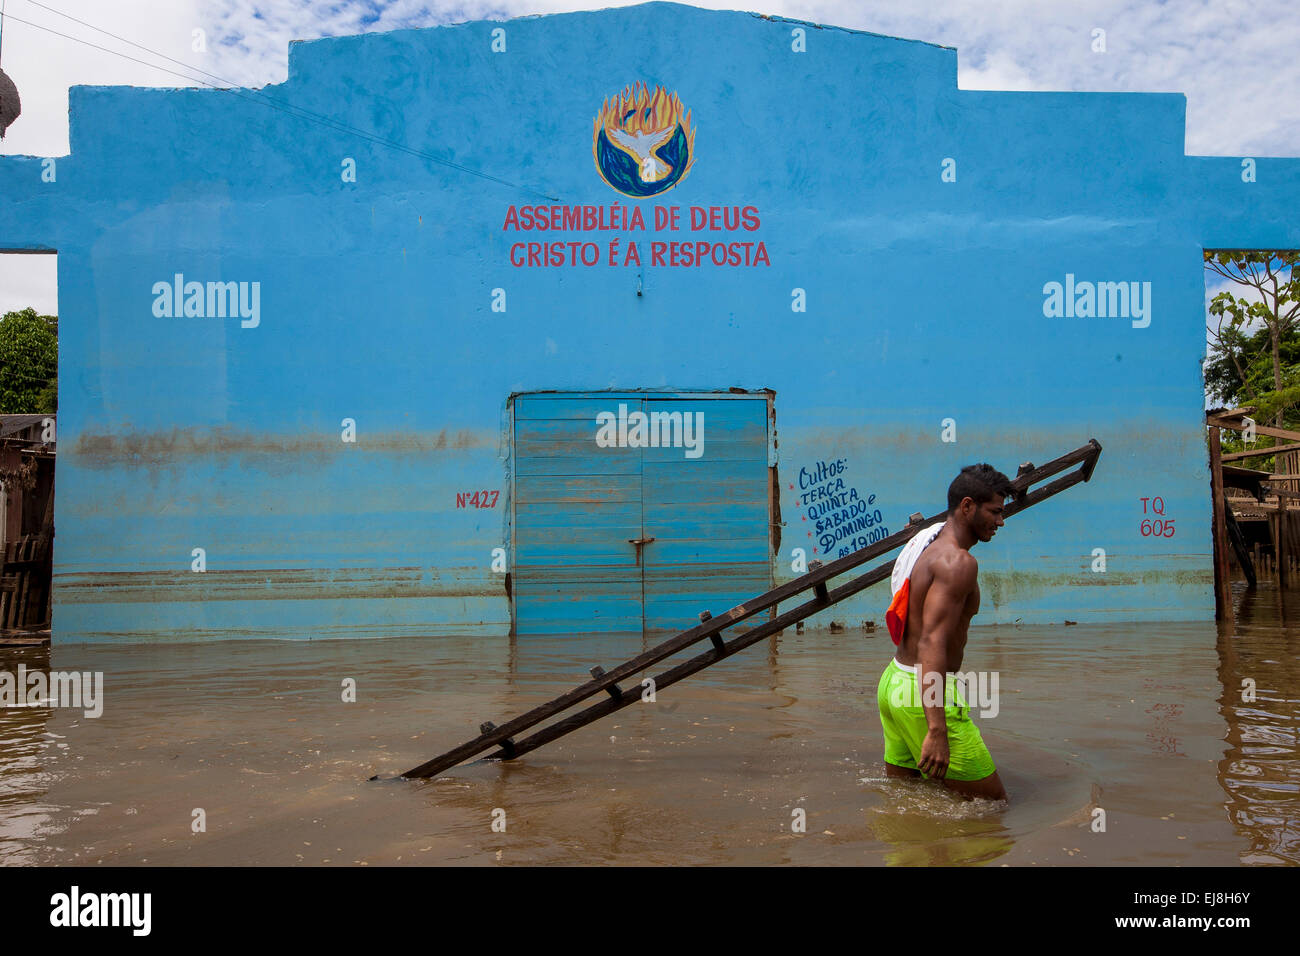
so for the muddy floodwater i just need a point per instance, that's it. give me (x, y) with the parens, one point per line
(1123, 744)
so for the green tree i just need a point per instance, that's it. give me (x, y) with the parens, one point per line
(1255, 352)
(1240, 370)
(1278, 312)
(29, 362)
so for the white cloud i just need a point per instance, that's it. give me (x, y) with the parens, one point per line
(1234, 59)
(29, 280)
(44, 65)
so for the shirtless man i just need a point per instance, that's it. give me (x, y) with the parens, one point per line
(923, 737)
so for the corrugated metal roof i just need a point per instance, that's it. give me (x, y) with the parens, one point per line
(13, 424)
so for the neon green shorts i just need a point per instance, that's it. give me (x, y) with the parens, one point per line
(903, 720)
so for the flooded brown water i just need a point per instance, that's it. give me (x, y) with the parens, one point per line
(1145, 722)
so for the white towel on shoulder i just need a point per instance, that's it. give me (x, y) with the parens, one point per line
(911, 551)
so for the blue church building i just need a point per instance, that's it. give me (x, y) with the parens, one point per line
(590, 322)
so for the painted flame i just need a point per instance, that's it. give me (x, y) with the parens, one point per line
(638, 109)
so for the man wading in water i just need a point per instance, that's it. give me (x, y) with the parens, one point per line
(928, 730)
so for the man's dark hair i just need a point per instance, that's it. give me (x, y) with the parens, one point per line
(980, 483)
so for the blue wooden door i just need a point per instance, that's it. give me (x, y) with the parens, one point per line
(629, 536)
(576, 505)
(708, 514)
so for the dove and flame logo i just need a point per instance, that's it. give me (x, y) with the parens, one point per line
(644, 142)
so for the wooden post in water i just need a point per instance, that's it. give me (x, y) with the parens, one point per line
(1222, 583)
(1280, 542)
(1272, 537)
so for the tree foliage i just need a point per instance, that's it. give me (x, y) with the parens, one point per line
(29, 362)
(1242, 374)
(1255, 352)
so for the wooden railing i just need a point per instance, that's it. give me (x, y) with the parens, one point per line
(1280, 503)
(25, 582)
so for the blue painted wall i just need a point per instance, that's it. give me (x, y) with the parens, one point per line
(924, 301)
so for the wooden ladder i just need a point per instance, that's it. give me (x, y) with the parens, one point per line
(710, 628)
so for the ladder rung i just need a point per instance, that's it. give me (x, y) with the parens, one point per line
(507, 745)
(612, 689)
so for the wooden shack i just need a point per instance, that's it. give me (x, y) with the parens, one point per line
(1264, 506)
(27, 521)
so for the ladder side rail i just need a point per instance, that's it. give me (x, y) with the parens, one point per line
(740, 642)
(500, 735)
(740, 612)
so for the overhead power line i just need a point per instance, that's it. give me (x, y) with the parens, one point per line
(259, 97)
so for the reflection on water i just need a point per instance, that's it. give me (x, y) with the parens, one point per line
(1260, 770)
(1139, 727)
(24, 744)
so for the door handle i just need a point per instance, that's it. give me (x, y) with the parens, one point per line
(639, 542)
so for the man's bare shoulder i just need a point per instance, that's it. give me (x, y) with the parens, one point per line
(955, 567)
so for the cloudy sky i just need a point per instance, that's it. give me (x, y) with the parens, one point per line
(1236, 61)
